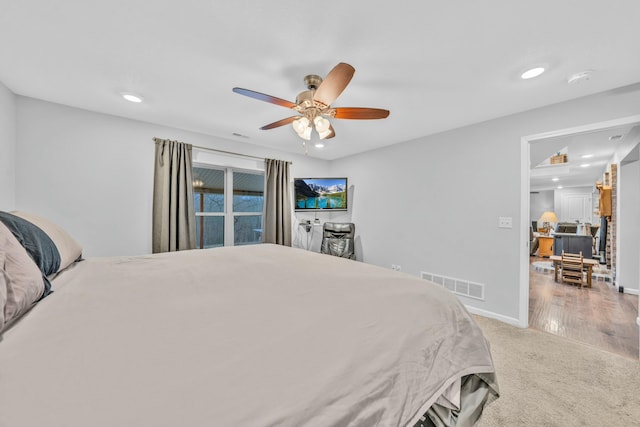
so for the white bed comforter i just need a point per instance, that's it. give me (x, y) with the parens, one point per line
(246, 336)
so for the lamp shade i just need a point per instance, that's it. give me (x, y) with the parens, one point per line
(306, 134)
(548, 217)
(302, 127)
(325, 133)
(321, 123)
(299, 125)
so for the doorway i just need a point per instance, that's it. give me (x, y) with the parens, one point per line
(548, 296)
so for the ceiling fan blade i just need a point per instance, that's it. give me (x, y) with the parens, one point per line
(333, 85)
(279, 123)
(356, 113)
(264, 97)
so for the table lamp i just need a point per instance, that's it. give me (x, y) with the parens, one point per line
(547, 218)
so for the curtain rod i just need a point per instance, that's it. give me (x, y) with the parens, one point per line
(225, 152)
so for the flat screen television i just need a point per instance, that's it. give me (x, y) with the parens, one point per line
(320, 194)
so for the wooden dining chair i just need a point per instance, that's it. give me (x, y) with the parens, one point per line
(572, 267)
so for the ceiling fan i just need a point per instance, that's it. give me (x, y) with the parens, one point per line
(314, 104)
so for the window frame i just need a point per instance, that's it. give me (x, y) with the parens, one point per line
(227, 212)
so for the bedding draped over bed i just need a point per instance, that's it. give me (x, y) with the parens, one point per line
(260, 335)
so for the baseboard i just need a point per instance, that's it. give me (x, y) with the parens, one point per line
(491, 315)
(626, 290)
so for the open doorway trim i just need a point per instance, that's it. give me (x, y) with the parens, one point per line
(525, 160)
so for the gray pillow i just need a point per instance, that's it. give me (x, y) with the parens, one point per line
(3, 289)
(23, 281)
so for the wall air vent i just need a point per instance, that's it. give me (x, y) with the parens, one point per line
(462, 287)
(450, 284)
(457, 286)
(476, 290)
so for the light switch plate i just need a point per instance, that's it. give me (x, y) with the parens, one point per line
(505, 222)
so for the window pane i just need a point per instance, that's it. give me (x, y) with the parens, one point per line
(208, 189)
(213, 202)
(209, 231)
(208, 202)
(196, 200)
(248, 192)
(247, 230)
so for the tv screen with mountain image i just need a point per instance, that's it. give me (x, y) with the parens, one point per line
(313, 194)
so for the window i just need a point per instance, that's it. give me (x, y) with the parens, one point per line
(228, 205)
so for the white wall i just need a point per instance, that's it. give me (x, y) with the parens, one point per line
(628, 233)
(540, 203)
(433, 204)
(627, 273)
(7, 148)
(93, 173)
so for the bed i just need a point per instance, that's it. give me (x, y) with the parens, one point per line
(260, 335)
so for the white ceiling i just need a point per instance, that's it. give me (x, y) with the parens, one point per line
(596, 144)
(434, 65)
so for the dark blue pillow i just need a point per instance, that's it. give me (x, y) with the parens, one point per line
(37, 244)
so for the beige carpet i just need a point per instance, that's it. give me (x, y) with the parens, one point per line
(546, 380)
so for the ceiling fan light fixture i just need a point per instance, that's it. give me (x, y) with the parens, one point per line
(306, 134)
(300, 125)
(314, 104)
(325, 133)
(302, 128)
(322, 124)
(319, 144)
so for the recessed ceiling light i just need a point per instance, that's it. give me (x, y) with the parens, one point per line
(614, 137)
(587, 156)
(533, 72)
(555, 179)
(239, 135)
(132, 97)
(559, 187)
(585, 165)
(319, 144)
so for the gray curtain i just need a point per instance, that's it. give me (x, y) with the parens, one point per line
(277, 210)
(174, 222)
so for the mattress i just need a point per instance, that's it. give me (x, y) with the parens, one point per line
(260, 335)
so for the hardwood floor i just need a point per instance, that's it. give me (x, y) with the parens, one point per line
(599, 316)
